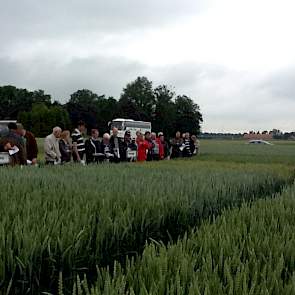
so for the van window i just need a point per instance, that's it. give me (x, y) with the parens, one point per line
(117, 124)
(137, 125)
(3, 130)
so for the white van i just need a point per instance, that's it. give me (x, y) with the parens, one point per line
(128, 124)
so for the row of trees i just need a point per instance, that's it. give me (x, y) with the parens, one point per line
(167, 111)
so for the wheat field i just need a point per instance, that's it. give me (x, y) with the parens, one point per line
(220, 223)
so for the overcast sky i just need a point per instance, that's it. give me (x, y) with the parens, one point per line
(235, 58)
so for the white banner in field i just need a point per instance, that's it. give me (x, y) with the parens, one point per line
(131, 154)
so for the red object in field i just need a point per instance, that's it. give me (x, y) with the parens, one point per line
(142, 147)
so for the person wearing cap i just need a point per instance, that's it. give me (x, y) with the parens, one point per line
(124, 147)
(129, 148)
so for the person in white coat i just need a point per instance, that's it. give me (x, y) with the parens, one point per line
(51, 147)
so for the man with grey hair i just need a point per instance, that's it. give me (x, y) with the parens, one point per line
(51, 147)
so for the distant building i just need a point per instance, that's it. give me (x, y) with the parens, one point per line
(252, 135)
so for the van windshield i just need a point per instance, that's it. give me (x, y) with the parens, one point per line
(3, 130)
(138, 125)
(117, 124)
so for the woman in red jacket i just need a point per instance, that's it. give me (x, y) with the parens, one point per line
(157, 150)
(142, 147)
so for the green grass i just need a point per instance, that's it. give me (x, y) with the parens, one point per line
(68, 220)
(40, 143)
(281, 152)
(245, 251)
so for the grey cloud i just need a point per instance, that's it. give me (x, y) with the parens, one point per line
(281, 84)
(35, 19)
(236, 100)
(101, 75)
(188, 77)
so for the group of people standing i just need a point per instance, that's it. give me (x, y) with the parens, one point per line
(62, 147)
(20, 144)
(153, 148)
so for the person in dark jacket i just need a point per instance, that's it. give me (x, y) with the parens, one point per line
(132, 151)
(31, 145)
(65, 147)
(126, 142)
(93, 147)
(20, 158)
(129, 148)
(176, 144)
(116, 144)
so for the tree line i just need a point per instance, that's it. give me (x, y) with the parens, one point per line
(139, 100)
